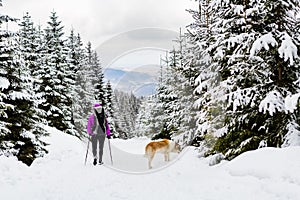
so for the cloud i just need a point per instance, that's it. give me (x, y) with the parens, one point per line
(117, 16)
(98, 20)
(125, 43)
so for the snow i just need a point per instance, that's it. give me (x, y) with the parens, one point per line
(266, 174)
(272, 102)
(266, 165)
(291, 102)
(263, 42)
(19, 95)
(238, 9)
(4, 83)
(292, 137)
(288, 50)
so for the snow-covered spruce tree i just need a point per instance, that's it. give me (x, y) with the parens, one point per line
(30, 51)
(283, 61)
(186, 133)
(118, 119)
(197, 68)
(85, 79)
(292, 102)
(109, 106)
(81, 98)
(6, 146)
(158, 121)
(94, 79)
(109, 99)
(91, 72)
(20, 137)
(73, 65)
(182, 107)
(168, 96)
(254, 52)
(175, 96)
(126, 110)
(30, 47)
(120, 124)
(204, 75)
(57, 84)
(98, 81)
(141, 125)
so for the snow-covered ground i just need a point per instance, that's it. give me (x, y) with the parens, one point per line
(264, 174)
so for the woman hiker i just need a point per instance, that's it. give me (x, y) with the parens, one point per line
(98, 128)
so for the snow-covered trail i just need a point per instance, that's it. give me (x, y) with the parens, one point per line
(266, 174)
(131, 160)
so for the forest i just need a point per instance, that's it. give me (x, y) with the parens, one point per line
(231, 85)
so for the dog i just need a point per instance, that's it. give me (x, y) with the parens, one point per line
(164, 146)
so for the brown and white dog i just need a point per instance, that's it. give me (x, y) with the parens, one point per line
(164, 146)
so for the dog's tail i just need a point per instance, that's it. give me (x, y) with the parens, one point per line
(146, 154)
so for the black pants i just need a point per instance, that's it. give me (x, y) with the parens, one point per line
(99, 138)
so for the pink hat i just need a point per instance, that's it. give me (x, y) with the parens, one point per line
(97, 105)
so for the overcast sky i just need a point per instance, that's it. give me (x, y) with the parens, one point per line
(99, 20)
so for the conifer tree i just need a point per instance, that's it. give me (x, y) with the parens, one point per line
(109, 100)
(21, 133)
(126, 110)
(7, 142)
(98, 80)
(56, 78)
(253, 68)
(30, 47)
(80, 99)
(109, 107)
(168, 96)
(157, 121)
(185, 84)
(91, 76)
(204, 76)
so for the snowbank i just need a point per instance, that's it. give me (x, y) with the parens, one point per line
(267, 163)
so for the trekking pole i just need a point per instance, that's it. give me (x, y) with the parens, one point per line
(111, 160)
(87, 151)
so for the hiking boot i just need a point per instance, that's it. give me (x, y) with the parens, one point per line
(95, 161)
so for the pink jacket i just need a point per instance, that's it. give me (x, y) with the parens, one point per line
(91, 123)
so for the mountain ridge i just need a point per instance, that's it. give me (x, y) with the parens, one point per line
(137, 82)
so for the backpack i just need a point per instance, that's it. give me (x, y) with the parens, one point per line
(100, 117)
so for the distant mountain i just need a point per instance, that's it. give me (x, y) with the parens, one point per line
(113, 74)
(138, 83)
(152, 70)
